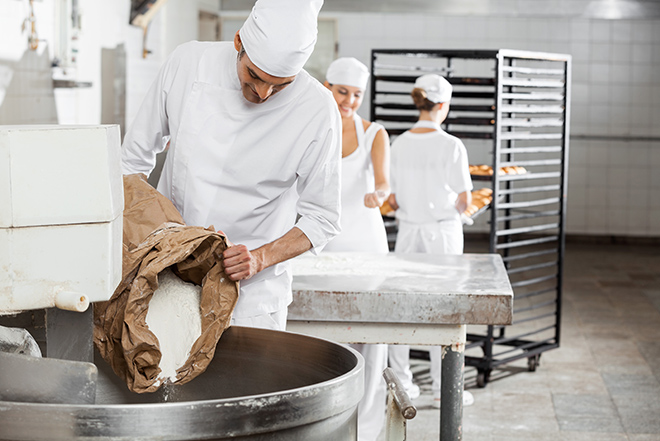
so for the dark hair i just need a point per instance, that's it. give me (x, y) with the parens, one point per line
(241, 52)
(421, 102)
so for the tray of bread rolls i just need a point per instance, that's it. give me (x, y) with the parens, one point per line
(481, 199)
(483, 172)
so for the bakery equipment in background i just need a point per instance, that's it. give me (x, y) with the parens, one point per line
(511, 110)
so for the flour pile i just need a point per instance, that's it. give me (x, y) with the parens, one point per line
(175, 319)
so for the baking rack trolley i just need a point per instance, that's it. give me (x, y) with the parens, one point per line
(511, 109)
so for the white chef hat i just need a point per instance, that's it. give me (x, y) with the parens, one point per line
(279, 35)
(349, 72)
(437, 88)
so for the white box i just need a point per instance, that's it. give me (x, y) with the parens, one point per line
(61, 204)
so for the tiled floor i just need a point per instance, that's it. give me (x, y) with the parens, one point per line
(602, 384)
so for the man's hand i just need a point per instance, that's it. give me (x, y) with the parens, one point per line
(240, 263)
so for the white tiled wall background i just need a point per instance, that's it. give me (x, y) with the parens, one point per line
(614, 183)
(615, 122)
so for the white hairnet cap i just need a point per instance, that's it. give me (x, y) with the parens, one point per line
(279, 35)
(349, 72)
(437, 88)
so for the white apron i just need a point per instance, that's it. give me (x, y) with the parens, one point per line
(362, 227)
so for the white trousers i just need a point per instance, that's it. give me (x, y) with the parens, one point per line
(372, 407)
(444, 237)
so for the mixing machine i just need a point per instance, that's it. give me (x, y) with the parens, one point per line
(61, 202)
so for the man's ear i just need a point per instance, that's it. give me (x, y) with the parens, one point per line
(237, 41)
(326, 84)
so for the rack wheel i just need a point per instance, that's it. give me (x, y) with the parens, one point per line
(533, 362)
(482, 378)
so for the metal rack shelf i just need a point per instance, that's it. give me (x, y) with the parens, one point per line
(518, 101)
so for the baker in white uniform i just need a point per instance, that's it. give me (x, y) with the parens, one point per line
(364, 188)
(254, 141)
(431, 187)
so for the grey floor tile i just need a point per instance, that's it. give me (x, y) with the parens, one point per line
(593, 436)
(600, 385)
(590, 424)
(584, 406)
(643, 437)
(632, 385)
(642, 422)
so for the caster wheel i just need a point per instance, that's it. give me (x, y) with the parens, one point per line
(482, 379)
(533, 363)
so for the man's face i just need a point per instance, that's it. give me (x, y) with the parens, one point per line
(257, 85)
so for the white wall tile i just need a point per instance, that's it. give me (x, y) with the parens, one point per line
(600, 30)
(620, 52)
(642, 31)
(638, 223)
(599, 73)
(599, 115)
(622, 31)
(597, 157)
(580, 30)
(618, 220)
(642, 53)
(597, 221)
(638, 155)
(642, 74)
(620, 74)
(599, 52)
(597, 189)
(654, 222)
(580, 51)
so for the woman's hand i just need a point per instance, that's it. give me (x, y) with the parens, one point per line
(375, 199)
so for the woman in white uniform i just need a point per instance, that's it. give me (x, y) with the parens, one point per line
(431, 187)
(365, 186)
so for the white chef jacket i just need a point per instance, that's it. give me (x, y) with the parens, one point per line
(244, 168)
(428, 171)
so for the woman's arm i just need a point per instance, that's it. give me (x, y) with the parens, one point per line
(380, 158)
(463, 200)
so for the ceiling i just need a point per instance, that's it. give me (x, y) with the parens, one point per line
(597, 9)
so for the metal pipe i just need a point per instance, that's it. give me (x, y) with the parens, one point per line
(451, 410)
(403, 402)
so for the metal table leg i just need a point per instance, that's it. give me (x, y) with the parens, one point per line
(451, 392)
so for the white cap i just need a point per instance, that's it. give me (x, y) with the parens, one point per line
(349, 72)
(437, 88)
(279, 35)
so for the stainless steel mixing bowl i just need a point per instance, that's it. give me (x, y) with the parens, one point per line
(261, 385)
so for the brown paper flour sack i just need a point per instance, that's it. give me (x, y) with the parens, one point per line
(155, 242)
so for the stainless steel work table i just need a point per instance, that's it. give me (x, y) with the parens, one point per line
(416, 299)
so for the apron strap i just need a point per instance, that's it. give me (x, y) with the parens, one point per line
(359, 130)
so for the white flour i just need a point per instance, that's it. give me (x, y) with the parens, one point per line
(175, 319)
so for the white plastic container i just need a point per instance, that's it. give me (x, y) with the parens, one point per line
(61, 204)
